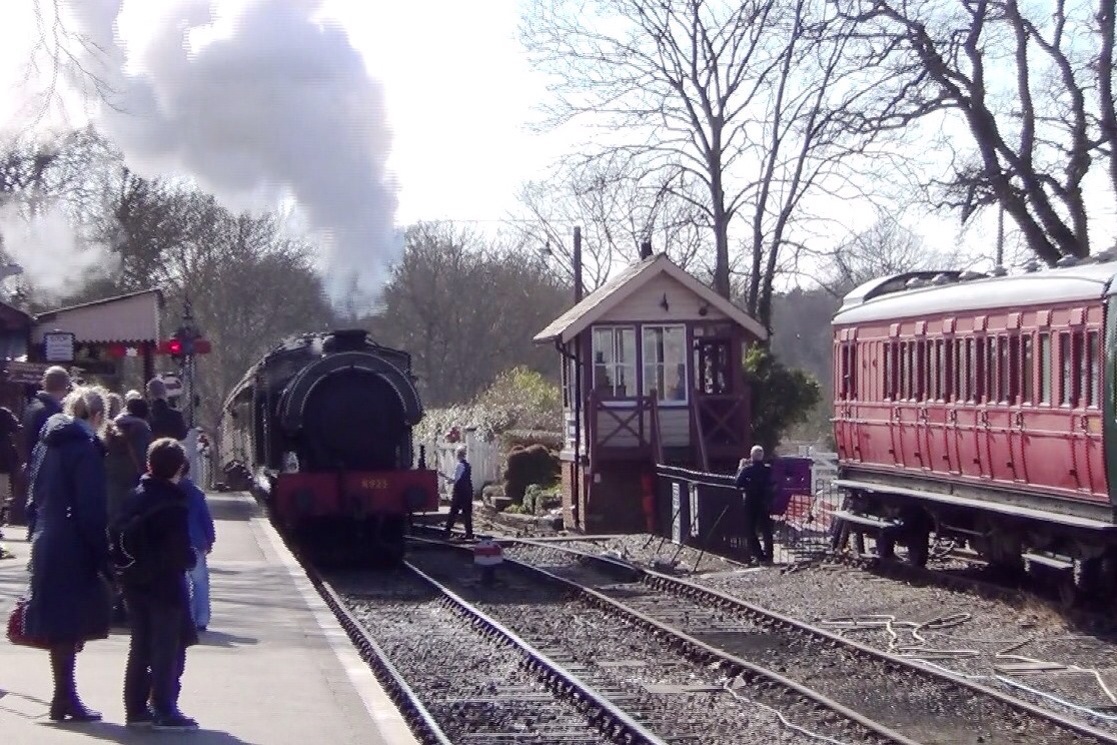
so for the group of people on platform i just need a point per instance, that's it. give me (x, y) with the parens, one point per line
(116, 526)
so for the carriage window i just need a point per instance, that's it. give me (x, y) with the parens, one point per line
(960, 370)
(1067, 380)
(992, 391)
(1005, 394)
(977, 371)
(1011, 376)
(614, 361)
(886, 366)
(937, 372)
(905, 369)
(948, 383)
(965, 364)
(1027, 369)
(1045, 368)
(1092, 369)
(921, 371)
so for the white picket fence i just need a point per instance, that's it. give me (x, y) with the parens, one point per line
(484, 457)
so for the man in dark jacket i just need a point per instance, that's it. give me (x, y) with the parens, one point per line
(45, 404)
(164, 421)
(153, 531)
(461, 496)
(755, 480)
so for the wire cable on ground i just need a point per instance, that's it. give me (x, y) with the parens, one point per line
(927, 654)
(783, 720)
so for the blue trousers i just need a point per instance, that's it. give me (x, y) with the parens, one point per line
(199, 591)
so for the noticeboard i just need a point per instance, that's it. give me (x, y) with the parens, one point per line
(59, 346)
(24, 373)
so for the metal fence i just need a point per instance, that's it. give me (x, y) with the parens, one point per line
(705, 511)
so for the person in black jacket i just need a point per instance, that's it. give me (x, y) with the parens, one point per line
(461, 497)
(152, 542)
(44, 404)
(755, 480)
(164, 421)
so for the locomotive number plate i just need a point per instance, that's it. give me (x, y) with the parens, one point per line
(374, 484)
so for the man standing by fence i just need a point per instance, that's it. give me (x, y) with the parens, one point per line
(755, 480)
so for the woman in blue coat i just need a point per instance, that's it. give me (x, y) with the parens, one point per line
(69, 603)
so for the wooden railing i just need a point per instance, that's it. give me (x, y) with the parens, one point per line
(721, 422)
(640, 419)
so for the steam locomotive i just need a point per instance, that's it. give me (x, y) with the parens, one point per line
(324, 425)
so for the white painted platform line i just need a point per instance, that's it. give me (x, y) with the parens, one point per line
(389, 723)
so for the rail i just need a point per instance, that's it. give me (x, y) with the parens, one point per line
(778, 621)
(696, 649)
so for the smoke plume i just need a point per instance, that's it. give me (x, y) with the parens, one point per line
(279, 107)
(55, 261)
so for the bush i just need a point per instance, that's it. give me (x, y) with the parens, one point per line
(529, 400)
(781, 397)
(526, 466)
(538, 499)
(519, 398)
(523, 438)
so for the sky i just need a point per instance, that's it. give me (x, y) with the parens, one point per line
(458, 92)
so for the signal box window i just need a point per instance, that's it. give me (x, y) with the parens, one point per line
(665, 362)
(614, 362)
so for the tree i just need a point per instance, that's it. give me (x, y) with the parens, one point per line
(883, 249)
(466, 311)
(744, 99)
(617, 211)
(781, 397)
(1031, 87)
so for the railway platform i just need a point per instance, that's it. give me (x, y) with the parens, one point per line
(274, 667)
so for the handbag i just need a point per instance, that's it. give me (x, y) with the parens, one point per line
(17, 627)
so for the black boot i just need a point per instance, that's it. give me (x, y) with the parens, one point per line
(66, 705)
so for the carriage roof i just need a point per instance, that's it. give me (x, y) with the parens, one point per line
(889, 298)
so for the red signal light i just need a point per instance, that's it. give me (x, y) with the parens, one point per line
(174, 347)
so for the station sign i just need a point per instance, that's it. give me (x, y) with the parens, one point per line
(24, 373)
(59, 346)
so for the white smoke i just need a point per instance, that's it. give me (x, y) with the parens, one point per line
(280, 106)
(55, 261)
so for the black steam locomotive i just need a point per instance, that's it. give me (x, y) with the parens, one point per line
(323, 424)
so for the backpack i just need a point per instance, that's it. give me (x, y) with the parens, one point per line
(134, 552)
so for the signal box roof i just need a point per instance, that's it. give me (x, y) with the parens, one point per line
(597, 304)
(891, 299)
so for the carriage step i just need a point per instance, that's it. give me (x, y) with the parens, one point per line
(869, 521)
(1062, 563)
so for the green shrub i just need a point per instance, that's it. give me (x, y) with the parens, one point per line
(526, 466)
(781, 396)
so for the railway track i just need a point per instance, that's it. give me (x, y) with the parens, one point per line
(922, 703)
(680, 688)
(469, 678)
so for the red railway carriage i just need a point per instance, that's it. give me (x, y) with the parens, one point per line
(324, 421)
(978, 408)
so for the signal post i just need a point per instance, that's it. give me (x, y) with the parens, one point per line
(183, 349)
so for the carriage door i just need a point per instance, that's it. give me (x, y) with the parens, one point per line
(1109, 397)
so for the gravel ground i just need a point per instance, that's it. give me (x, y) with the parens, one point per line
(989, 634)
(473, 686)
(925, 709)
(631, 667)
